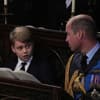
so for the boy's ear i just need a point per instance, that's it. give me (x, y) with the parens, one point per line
(13, 49)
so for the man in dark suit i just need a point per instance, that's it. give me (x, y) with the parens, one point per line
(80, 73)
(35, 61)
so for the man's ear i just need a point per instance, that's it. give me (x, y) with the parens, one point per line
(13, 49)
(80, 34)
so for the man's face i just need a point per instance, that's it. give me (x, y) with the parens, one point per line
(73, 39)
(22, 50)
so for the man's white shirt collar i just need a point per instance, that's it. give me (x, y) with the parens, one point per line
(92, 52)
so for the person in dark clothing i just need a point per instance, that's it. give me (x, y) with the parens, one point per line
(81, 38)
(36, 61)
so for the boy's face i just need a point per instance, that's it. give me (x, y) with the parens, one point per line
(22, 49)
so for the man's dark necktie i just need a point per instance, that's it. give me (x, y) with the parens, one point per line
(83, 63)
(23, 66)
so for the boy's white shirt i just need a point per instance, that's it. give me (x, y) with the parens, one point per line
(18, 65)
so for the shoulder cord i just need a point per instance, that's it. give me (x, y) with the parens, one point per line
(75, 78)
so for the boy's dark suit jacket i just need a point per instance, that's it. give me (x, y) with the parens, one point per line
(39, 67)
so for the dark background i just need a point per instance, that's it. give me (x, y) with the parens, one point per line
(47, 13)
